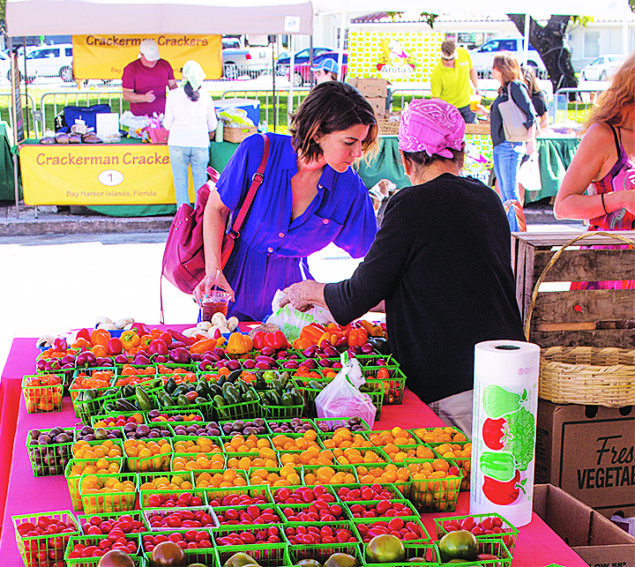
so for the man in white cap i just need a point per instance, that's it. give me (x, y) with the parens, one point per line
(327, 70)
(144, 81)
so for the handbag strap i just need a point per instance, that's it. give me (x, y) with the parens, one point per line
(256, 181)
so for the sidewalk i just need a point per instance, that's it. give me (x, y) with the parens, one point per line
(59, 220)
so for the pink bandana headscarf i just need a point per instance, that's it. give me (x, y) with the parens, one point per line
(432, 126)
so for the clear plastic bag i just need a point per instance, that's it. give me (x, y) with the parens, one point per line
(291, 321)
(342, 398)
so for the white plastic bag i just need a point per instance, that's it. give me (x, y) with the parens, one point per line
(291, 321)
(342, 398)
(529, 173)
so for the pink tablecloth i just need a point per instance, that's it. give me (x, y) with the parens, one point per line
(537, 544)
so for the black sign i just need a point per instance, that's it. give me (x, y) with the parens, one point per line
(18, 118)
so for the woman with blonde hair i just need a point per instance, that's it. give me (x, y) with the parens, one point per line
(507, 155)
(605, 165)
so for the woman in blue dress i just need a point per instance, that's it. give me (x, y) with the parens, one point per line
(310, 197)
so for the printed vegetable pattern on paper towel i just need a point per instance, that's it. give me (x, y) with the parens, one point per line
(509, 432)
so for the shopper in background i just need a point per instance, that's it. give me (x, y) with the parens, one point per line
(454, 79)
(310, 197)
(537, 97)
(599, 186)
(327, 70)
(190, 118)
(507, 155)
(441, 262)
(145, 80)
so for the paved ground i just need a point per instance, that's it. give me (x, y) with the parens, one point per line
(63, 271)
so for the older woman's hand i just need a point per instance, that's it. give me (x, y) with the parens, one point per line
(304, 295)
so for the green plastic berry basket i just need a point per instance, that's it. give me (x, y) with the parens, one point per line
(255, 531)
(401, 484)
(243, 410)
(289, 527)
(152, 463)
(50, 459)
(393, 387)
(377, 442)
(215, 447)
(108, 501)
(356, 493)
(206, 408)
(245, 466)
(95, 541)
(96, 443)
(136, 516)
(422, 432)
(280, 447)
(191, 461)
(42, 399)
(151, 477)
(348, 507)
(283, 412)
(381, 456)
(256, 478)
(333, 423)
(322, 552)
(509, 533)
(294, 457)
(322, 479)
(368, 522)
(464, 463)
(278, 500)
(371, 360)
(152, 513)
(427, 552)
(100, 418)
(72, 479)
(52, 547)
(219, 514)
(74, 388)
(267, 555)
(232, 496)
(176, 413)
(209, 483)
(288, 511)
(433, 494)
(275, 422)
(164, 431)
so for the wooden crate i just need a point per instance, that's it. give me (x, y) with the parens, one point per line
(482, 128)
(599, 318)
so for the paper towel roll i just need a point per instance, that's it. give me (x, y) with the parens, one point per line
(504, 429)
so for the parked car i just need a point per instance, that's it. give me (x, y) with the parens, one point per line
(303, 73)
(602, 68)
(50, 61)
(301, 56)
(483, 56)
(246, 61)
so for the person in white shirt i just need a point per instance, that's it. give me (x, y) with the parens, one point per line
(190, 118)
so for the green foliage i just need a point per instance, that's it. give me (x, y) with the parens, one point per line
(521, 428)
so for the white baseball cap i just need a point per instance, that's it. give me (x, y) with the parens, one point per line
(149, 49)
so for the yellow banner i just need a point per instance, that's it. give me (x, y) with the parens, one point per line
(394, 56)
(105, 56)
(100, 174)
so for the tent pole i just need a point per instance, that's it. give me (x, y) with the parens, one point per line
(340, 56)
(290, 103)
(14, 117)
(526, 43)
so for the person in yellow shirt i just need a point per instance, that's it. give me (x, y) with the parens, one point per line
(454, 79)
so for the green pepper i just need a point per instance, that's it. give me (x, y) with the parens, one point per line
(500, 466)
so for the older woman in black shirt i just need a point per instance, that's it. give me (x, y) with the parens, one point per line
(441, 261)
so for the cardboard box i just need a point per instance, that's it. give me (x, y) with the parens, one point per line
(594, 538)
(589, 452)
(370, 88)
(378, 104)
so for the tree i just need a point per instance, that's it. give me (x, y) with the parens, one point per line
(549, 41)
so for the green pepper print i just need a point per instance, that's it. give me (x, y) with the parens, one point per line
(499, 466)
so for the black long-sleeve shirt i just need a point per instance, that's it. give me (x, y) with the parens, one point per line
(520, 94)
(441, 260)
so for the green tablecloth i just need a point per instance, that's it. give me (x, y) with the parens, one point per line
(386, 164)
(554, 155)
(7, 191)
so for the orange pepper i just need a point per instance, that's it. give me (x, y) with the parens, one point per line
(100, 337)
(312, 332)
(199, 347)
(238, 344)
(301, 343)
(99, 350)
(81, 342)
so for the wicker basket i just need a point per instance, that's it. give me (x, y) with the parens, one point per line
(237, 135)
(588, 376)
(584, 375)
(388, 124)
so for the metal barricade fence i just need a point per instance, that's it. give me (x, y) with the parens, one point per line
(29, 113)
(581, 99)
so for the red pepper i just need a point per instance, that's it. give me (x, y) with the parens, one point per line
(145, 341)
(157, 346)
(276, 340)
(83, 334)
(259, 340)
(357, 337)
(114, 346)
(176, 336)
(166, 337)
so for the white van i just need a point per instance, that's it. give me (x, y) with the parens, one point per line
(49, 61)
(483, 56)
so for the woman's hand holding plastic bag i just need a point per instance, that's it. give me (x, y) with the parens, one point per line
(342, 398)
